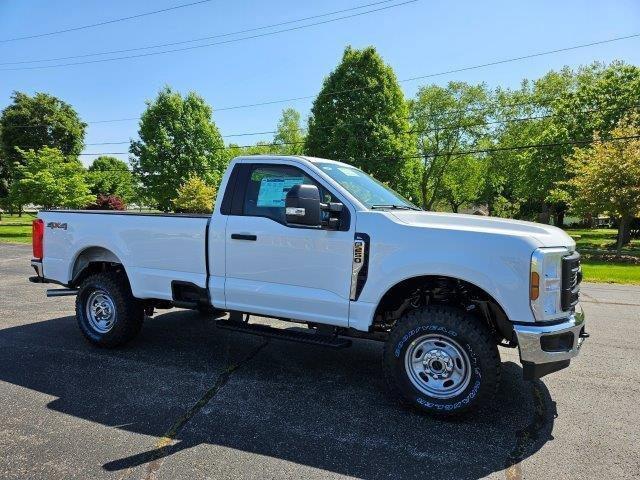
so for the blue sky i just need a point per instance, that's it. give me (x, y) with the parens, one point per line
(416, 39)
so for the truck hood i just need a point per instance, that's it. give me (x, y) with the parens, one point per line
(545, 235)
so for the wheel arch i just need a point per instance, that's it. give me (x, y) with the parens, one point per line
(93, 259)
(458, 290)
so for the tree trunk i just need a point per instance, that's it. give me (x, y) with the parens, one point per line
(623, 233)
(423, 192)
(589, 221)
(543, 216)
(558, 219)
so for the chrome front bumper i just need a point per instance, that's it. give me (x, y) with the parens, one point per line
(548, 348)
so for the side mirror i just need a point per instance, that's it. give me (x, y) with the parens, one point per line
(302, 205)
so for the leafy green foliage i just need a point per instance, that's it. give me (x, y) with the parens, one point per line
(45, 177)
(607, 176)
(177, 139)
(194, 196)
(447, 120)
(367, 126)
(602, 96)
(30, 123)
(111, 176)
(460, 185)
(289, 133)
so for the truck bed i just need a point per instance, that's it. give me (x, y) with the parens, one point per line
(155, 248)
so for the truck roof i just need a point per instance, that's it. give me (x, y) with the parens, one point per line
(285, 157)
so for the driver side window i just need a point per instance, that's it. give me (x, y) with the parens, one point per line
(267, 188)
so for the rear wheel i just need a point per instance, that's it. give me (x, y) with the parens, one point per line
(108, 314)
(441, 360)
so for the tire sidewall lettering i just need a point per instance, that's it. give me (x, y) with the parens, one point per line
(474, 386)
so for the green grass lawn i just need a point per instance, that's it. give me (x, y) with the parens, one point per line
(15, 229)
(602, 240)
(608, 272)
(594, 244)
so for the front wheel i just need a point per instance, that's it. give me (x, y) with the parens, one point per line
(107, 312)
(441, 360)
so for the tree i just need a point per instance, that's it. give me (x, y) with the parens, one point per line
(110, 176)
(360, 117)
(603, 95)
(598, 98)
(45, 177)
(461, 183)
(519, 178)
(195, 196)
(30, 123)
(177, 139)
(289, 135)
(607, 176)
(107, 202)
(447, 121)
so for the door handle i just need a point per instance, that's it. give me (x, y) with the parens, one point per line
(243, 236)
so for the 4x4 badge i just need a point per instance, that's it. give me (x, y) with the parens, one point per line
(53, 225)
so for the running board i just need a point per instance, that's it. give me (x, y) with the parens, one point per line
(61, 292)
(281, 334)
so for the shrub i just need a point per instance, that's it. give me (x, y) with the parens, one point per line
(194, 196)
(107, 202)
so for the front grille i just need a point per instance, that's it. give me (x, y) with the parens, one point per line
(571, 278)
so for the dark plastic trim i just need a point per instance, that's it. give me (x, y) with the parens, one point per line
(188, 295)
(533, 371)
(363, 274)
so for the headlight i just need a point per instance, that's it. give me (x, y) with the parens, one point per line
(546, 283)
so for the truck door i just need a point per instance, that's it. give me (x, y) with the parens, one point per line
(279, 270)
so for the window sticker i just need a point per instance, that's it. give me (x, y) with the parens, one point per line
(348, 172)
(273, 190)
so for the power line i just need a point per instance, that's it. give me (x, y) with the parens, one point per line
(445, 112)
(535, 145)
(210, 37)
(431, 75)
(247, 134)
(107, 22)
(193, 47)
(424, 156)
(411, 130)
(339, 92)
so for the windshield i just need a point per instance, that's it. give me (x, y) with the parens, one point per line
(367, 189)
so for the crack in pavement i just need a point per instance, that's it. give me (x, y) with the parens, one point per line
(154, 458)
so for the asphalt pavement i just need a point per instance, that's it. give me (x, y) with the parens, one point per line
(186, 400)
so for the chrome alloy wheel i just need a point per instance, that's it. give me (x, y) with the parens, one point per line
(437, 366)
(100, 310)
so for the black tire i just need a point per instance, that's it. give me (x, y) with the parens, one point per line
(474, 351)
(128, 312)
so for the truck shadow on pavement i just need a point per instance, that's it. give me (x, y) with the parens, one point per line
(188, 384)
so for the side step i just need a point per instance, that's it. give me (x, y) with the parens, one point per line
(289, 335)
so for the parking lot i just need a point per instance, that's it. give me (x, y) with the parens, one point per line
(186, 400)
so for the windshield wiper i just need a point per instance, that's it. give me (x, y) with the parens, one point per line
(394, 207)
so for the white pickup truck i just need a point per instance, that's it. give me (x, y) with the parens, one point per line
(321, 243)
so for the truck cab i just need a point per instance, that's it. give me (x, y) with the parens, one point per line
(321, 243)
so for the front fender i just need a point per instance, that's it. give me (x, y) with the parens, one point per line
(499, 264)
